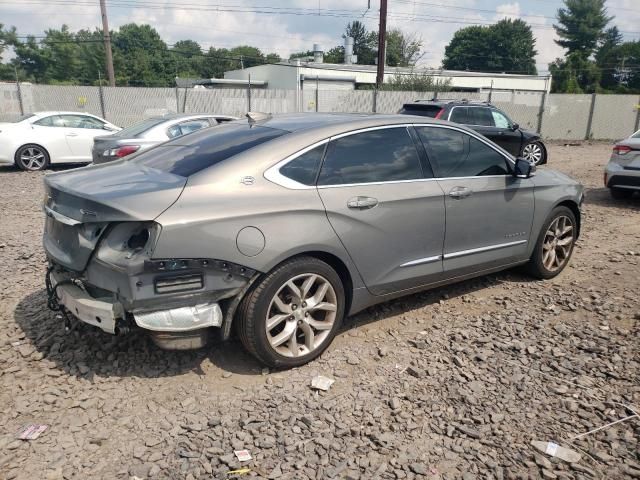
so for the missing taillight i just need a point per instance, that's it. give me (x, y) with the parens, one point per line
(138, 240)
(439, 115)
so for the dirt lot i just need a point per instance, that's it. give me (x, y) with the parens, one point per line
(452, 383)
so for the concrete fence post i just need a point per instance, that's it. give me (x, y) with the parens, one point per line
(249, 94)
(317, 93)
(184, 101)
(19, 91)
(375, 100)
(177, 99)
(101, 99)
(587, 135)
(543, 101)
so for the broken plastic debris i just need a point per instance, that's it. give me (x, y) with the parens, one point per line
(31, 431)
(240, 471)
(555, 450)
(242, 455)
(321, 383)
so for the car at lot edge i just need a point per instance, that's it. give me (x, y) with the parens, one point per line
(486, 119)
(151, 132)
(283, 225)
(622, 173)
(36, 140)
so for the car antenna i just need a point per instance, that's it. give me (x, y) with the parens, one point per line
(255, 117)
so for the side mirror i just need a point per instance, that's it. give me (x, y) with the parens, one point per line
(524, 168)
(515, 127)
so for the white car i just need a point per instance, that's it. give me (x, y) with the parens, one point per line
(39, 139)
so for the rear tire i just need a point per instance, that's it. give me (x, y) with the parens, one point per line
(32, 158)
(535, 152)
(555, 244)
(291, 316)
(621, 193)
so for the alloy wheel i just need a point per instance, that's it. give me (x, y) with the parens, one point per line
(557, 244)
(532, 152)
(32, 158)
(301, 315)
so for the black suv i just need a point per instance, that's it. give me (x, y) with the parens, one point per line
(487, 120)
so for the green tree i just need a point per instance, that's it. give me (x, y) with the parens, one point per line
(334, 55)
(621, 68)
(364, 42)
(581, 25)
(402, 50)
(417, 82)
(507, 46)
(574, 74)
(7, 39)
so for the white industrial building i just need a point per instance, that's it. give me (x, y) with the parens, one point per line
(314, 73)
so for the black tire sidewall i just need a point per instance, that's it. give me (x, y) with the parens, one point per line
(18, 161)
(261, 299)
(536, 266)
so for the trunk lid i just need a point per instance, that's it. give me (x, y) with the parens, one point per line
(81, 204)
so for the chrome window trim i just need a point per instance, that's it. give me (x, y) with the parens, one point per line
(273, 173)
(489, 248)
(421, 261)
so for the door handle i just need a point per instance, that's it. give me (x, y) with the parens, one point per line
(72, 134)
(460, 192)
(362, 203)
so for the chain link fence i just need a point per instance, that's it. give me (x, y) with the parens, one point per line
(556, 116)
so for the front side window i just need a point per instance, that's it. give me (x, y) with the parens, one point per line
(480, 116)
(460, 155)
(500, 120)
(304, 168)
(384, 155)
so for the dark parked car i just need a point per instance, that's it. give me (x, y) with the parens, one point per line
(486, 119)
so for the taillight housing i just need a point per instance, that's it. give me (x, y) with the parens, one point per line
(621, 149)
(440, 113)
(121, 151)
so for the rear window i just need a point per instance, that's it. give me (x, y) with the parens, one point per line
(192, 153)
(422, 110)
(141, 127)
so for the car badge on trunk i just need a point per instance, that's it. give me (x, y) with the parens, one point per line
(88, 213)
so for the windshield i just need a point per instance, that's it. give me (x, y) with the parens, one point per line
(195, 152)
(141, 127)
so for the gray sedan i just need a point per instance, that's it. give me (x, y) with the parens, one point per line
(622, 174)
(283, 226)
(150, 132)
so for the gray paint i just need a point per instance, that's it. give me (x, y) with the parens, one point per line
(415, 238)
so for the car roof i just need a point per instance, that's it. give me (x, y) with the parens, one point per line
(335, 123)
(441, 102)
(49, 113)
(177, 116)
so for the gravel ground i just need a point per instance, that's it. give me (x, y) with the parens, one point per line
(452, 383)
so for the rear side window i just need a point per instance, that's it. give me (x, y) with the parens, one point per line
(479, 116)
(383, 155)
(190, 154)
(421, 110)
(304, 168)
(459, 115)
(460, 155)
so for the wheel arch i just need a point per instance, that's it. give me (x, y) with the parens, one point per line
(19, 147)
(573, 206)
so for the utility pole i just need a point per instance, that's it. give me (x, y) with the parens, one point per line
(107, 44)
(382, 40)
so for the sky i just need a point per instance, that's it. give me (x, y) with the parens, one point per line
(266, 24)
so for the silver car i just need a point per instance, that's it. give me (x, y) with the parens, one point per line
(622, 174)
(282, 226)
(151, 132)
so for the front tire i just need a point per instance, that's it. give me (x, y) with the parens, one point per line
(32, 157)
(621, 193)
(555, 244)
(292, 314)
(535, 152)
